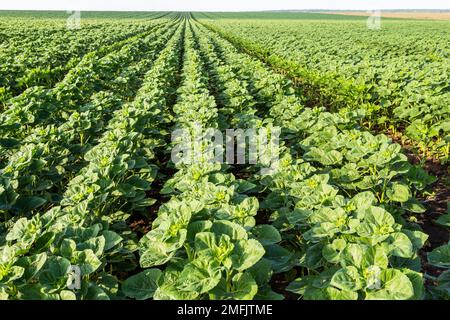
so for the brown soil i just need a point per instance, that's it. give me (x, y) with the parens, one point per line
(141, 224)
(140, 227)
(400, 15)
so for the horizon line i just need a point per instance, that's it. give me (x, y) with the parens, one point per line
(271, 10)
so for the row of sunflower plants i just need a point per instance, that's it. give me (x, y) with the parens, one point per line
(349, 234)
(51, 155)
(40, 106)
(237, 109)
(86, 235)
(201, 238)
(45, 61)
(392, 98)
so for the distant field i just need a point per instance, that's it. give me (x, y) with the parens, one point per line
(402, 15)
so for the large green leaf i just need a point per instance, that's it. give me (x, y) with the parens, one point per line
(199, 276)
(440, 257)
(142, 285)
(394, 285)
(399, 192)
(246, 254)
(347, 279)
(266, 234)
(401, 246)
(243, 287)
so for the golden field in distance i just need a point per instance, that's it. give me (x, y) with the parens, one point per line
(402, 15)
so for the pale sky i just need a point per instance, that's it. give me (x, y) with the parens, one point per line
(223, 5)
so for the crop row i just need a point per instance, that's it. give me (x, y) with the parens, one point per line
(347, 238)
(201, 234)
(50, 154)
(40, 106)
(343, 76)
(317, 205)
(333, 216)
(84, 230)
(45, 61)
